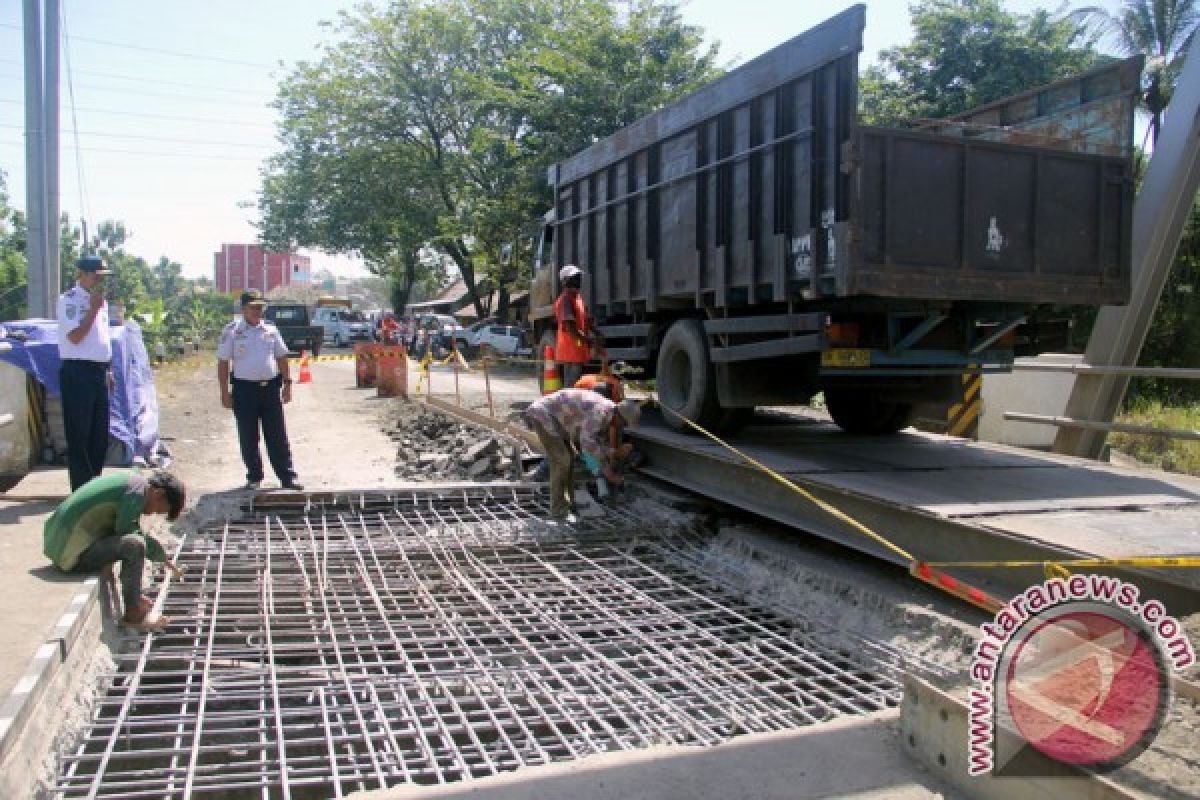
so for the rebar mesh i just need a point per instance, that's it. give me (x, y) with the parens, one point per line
(432, 636)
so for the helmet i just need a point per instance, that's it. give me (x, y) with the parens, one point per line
(568, 272)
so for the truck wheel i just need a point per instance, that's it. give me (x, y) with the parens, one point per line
(548, 340)
(865, 412)
(686, 379)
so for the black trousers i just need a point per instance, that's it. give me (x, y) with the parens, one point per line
(255, 404)
(85, 418)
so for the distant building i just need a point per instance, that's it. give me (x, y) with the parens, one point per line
(247, 266)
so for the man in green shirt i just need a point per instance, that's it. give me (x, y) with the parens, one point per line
(98, 525)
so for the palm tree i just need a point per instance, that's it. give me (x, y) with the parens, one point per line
(1161, 30)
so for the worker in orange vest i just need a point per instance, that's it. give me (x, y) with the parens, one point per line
(576, 338)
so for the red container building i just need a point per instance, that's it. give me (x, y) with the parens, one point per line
(247, 266)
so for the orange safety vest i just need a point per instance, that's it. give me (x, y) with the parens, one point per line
(571, 348)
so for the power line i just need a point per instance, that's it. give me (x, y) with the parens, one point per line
(84, 209)
(152, 153)
(188, 96)
(176, 53)
(142, 79)
(149, 115)
(171, 139)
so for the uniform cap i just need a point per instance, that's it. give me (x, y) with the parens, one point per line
(93, 264)
(630, 411)
(569, 271)
(253, 297)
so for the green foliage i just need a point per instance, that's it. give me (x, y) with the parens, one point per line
(12, 257)
(1176, 455)
(1174, 336)
(965, 53)
(430, 125)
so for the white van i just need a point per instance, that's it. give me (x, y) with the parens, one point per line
(343, 326)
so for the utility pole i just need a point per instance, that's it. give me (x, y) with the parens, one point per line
(50, 89)
(1159, 214)
(42, 249)
(35, 175)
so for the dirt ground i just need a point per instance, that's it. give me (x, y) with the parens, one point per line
(343, 437)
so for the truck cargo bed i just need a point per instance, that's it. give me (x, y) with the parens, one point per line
(763, 188)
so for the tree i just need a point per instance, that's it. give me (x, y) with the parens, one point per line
(431, 124)
(12, 257)
(966, 53)
(1160, 30)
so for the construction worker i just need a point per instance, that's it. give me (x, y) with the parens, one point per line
(576, 338)
(604, 382)
(98, 525)
(252, 357)
(85, 377)
(579, 415)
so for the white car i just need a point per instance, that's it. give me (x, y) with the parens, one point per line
(343, 326)
(507, 340)
(468, 338)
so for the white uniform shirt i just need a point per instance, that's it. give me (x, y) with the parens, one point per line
(251, 350)
(73, 306)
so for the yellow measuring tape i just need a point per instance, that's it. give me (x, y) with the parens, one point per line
(826, 507)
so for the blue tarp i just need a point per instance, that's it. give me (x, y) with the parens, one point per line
(133, 405)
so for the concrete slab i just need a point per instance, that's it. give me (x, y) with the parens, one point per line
(866, 752)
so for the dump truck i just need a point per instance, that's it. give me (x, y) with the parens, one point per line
(754, 243)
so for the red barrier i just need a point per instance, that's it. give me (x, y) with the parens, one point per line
(366, 356)
(391, 374)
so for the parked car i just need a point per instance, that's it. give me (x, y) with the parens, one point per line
(506, 340)
(343, 326)
(443, 326)
(468, 338)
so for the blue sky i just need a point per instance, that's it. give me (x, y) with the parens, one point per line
(171, 102)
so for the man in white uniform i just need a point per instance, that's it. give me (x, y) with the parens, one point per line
(85, 376)
(252, 356)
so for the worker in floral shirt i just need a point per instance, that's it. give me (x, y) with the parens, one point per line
(583, 416)
(99, 525)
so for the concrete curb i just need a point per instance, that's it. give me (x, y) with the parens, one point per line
(25, 738)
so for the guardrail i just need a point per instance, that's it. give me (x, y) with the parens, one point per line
(1172, 373)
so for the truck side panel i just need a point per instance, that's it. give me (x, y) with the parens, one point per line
(699, 203)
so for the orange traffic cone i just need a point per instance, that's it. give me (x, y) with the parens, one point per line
(305, 372)
(551, 381)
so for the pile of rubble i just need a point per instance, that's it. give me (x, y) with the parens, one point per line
(434, 447)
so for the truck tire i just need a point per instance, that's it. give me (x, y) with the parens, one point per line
(865, 412)
(687, 381)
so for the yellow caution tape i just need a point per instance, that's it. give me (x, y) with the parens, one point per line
(1187, 561)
